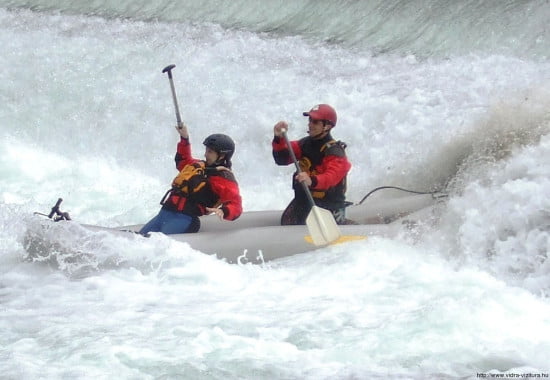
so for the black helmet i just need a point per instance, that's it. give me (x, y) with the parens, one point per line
(221, 144)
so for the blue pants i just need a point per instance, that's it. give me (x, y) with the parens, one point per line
(168, 222)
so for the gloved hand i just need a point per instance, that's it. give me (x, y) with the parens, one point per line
(304, 177)
(182, 130)
(279, 127)
(215, 211)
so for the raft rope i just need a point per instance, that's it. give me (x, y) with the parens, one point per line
(433, 193)
(59, 215)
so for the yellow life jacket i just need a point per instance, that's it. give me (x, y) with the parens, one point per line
(191, 179)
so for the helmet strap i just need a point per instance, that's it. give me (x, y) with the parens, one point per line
(223, 160)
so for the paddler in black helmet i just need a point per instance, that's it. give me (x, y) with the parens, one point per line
(202, 187)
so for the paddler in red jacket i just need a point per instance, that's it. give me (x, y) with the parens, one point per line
(323, 163)
(202, 187)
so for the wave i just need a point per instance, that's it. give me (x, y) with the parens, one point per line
(423, 28)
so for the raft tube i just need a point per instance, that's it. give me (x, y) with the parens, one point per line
(257, 236)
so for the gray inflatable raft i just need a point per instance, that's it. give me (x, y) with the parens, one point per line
(257, 236)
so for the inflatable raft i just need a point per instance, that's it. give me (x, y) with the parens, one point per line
(257, 236)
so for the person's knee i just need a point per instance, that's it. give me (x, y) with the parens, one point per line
(194, 226)
(339, 215)
(176, 224)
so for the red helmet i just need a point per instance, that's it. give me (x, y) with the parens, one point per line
(323, 112)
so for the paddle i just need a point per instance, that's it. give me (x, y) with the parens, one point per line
(168, 69)
(320, 222)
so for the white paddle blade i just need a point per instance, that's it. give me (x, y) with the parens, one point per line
(322, 226)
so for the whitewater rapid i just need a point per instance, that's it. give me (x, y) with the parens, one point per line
(87, 115)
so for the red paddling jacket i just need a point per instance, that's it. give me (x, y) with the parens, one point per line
(198, 186)
(326, 163)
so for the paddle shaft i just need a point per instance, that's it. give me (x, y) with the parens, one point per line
(168, 70)
(293, 156)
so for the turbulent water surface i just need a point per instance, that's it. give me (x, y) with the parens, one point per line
(446, 95)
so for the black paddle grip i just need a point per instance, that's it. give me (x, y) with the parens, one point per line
(168, 69)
